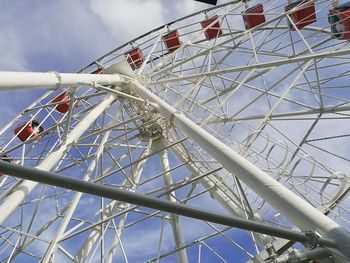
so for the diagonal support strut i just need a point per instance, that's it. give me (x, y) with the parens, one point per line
(45, 177)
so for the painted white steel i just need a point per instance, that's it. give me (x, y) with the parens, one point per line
(264, 65)
(16, 80)
(54, 243)
(222, 194)
(95, 233)
(17, 196)
(174, 219)
(297, 210)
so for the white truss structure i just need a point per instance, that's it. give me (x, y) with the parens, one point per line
(252, 124)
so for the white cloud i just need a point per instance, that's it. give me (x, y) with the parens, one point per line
(185, 7)
(71, 33)
(128, 19)
(11, 55)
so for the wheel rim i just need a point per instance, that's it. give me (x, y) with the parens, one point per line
(248, 88)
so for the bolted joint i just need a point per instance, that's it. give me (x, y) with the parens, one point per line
(270, 249)
(59, 79)
(312, 239)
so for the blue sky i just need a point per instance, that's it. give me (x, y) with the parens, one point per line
(66, 35)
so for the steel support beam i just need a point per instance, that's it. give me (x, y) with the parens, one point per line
(264, 65)
(18, 80)
(74, 202)
(289, 115)
(27, 242)
(222, 194)
(17, 196)
(299, 257)
(95, 233)
(174, 219)
(297, 210)
(45, 177)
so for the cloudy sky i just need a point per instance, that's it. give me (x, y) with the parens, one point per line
(65, 35)
(68, 34)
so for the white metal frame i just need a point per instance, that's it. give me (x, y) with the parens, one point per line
(188, 95)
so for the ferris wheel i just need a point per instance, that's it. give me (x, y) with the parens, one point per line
(222, 136)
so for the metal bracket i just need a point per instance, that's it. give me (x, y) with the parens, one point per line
(172, 116)
(312, 240)
(59, 79)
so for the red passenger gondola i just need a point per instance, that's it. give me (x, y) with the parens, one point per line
(172, 41)
(214, 30)
(253, 16)
(135, 58)
(302, 16)
(26, 130)
(100, 70)
(64, 106)
(339, 18)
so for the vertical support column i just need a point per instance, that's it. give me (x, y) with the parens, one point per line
(137, 172)
(174, 219)
(95, 233)
(54, 243)
(297, 210)
(14, 199)
(226, 199)
(116, 238)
